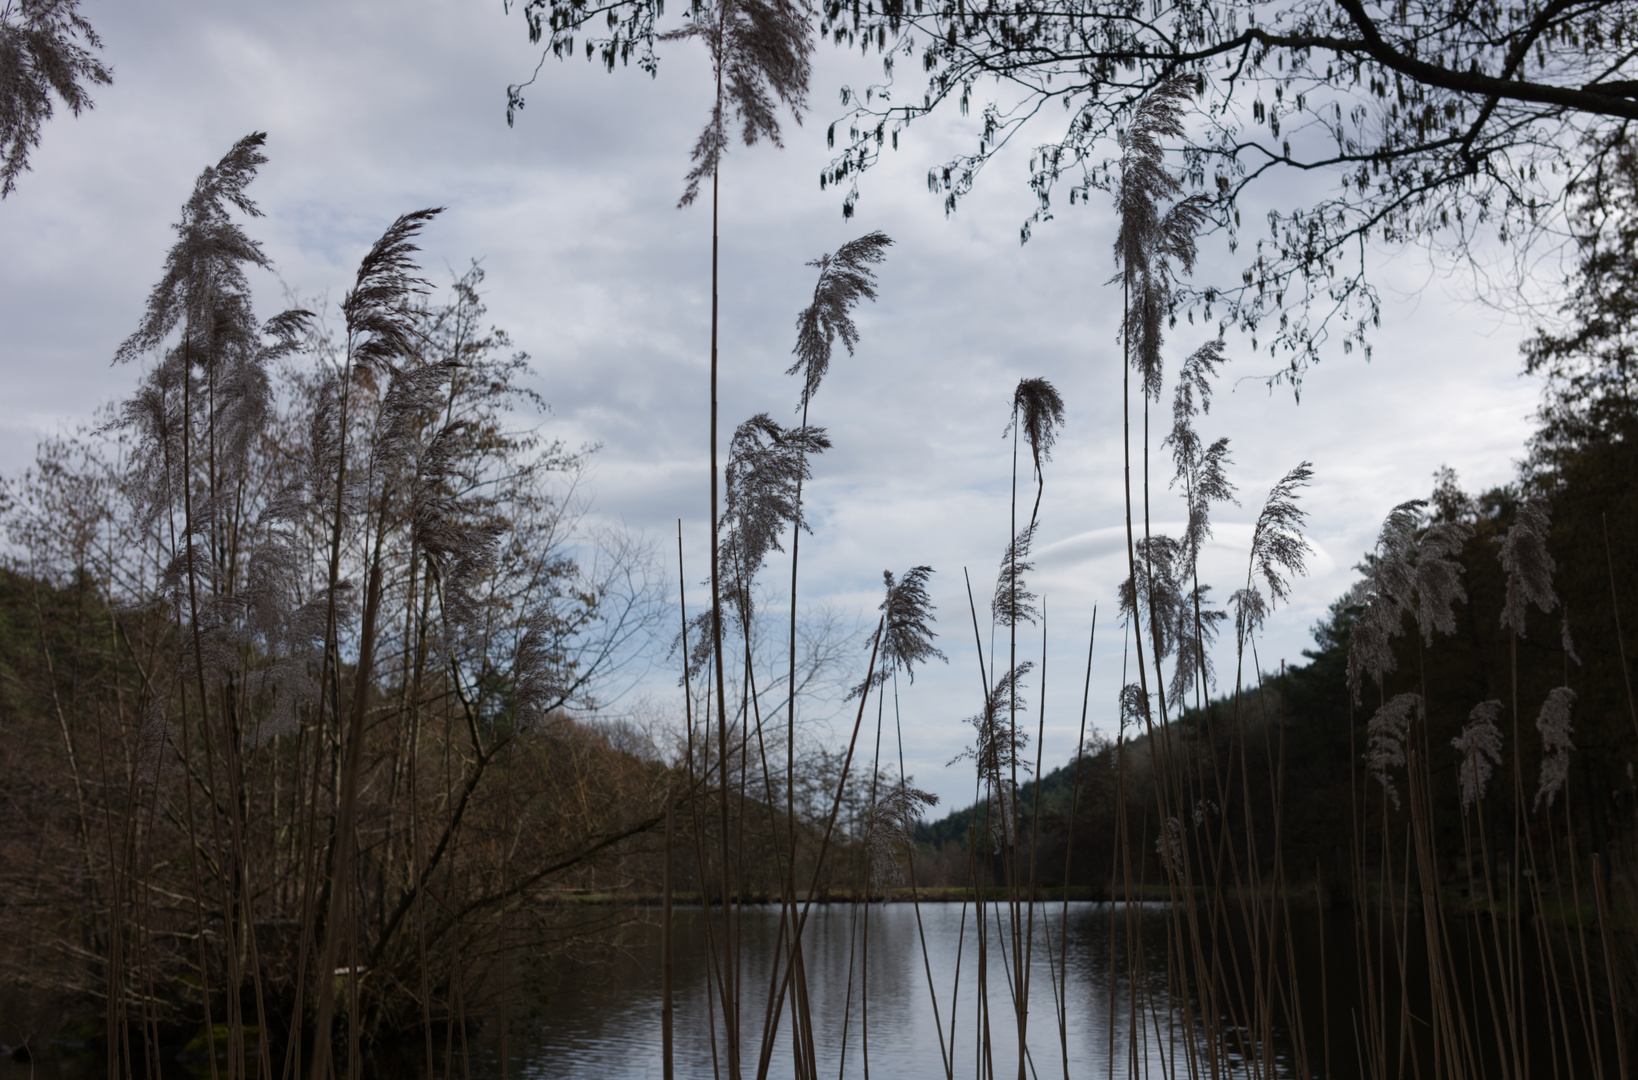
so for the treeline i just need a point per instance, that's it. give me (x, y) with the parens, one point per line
(1304, 719)
(1301, 782)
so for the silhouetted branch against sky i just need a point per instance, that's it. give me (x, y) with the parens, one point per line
(1465, 130)
(1427, 124)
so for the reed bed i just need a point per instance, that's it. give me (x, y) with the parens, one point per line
(321, 699)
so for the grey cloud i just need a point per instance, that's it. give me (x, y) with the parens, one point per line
(376, 108)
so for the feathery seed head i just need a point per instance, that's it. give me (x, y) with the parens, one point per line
(908, 637)
(1479, 745)
(845, 278)
(1208, 483)
(761, 52)
(766, 462)
(1013, 603)
(203, 285)
(907, 631)
(380, 326)
(1147, 240)
(1160, 593)
(1528, 565)
(1278, 549)
(46, 48)
(1554, 725)
(1439, 577)
(996, 748)
(1134, 707)
(700, 639)
(1038, 411)
(891, 822)
(1202, 470)
(1192, 396)
(1195, 627)
(1250, 611)
(1385, 739)
(1411, 570)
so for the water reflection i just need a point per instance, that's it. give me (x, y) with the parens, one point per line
(603, 1020)
(879, 1004)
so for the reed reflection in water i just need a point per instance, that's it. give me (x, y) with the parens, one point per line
(610, 1027)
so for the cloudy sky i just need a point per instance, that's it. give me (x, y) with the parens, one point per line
(375, 108)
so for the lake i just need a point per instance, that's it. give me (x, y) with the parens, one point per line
(596, 1012)
(608, 1026)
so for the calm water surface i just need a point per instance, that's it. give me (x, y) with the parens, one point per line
(603, 1020)
(610, 1028)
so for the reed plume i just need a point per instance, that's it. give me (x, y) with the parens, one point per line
(1250, 612)
(1278, 549)
(1201, 469)
(1412, 569)
(845, 277)
(46, 47)
(203, 290)
(1555, 728)
(1149, 240)
(996, 745)
(1528, 566)
(1013, 602)
(1038, 410)
(1385, 739)
(1133, 708)
(1480, 746)
(766, 462)
(1278, 552)
(1565, 641)
(761, 56)
(1158, 590)
(1195, 626)
(890, 823)
(907, 628)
